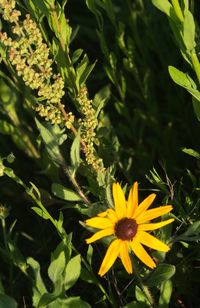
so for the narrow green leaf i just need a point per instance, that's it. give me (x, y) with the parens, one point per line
(191, 152)
(75, 152)
(76, 55)
(52, 137)
(72, 272)
(64, 193)
(163, 5)
(184, 81)
(40, 212)
(189, 31)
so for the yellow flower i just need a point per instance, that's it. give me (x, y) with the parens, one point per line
(128, 222)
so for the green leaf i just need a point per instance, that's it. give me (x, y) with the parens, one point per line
(76, 55)
(48, 298)
(64, 193)
(7, 301)
(75, 152)
(87, 276)
(52, 137)
(139, 294)
(161, 273)
(184, 81)
(72, 272)
(56, 268)
(83, 70)
(101, 99)
(135, 304)
(189, 31)
(165, 293)
(191, 152)
(163, 5)
(38, 285)
(71, 302)
(40, 212)
(193, 229)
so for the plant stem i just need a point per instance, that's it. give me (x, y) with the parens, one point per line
(144, 288)
(195, 63)
(3, 223)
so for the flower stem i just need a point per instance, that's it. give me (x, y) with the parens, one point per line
(144, 288)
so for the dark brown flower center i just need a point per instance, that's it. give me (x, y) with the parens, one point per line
(125, 229)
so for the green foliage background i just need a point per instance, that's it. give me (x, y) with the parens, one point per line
(139, 61)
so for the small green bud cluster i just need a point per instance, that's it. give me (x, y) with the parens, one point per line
(9, 12)
(88, 125)
(54, 115)
(30, 55)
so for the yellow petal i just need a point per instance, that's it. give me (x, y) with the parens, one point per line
(154, 226)
(110, 213)
(141, 253)
(100, 234)
(150, 241)
(110, 257)
(125, 256)
(103, 214)
(119, 200)
(154, 213)
(99, 222)
(132, 202)
(144, 205)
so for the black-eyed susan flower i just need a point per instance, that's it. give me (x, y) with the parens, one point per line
(129, 223)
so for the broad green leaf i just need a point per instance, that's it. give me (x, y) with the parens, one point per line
(161, 273)
(191, 152)
(64, 193)
(40, 212)
(56, 268)
(48, 298)
(163, 5)
(72, 272)
(165, 293)
(7, 301)
(139, 294)
(189, 31)
(70, 302)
